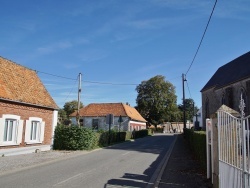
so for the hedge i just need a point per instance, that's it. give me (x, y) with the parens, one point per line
(81, 138)
(74, 138)
(197, 143)
(103, 137)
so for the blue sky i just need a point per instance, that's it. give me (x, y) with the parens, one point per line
(122, 42)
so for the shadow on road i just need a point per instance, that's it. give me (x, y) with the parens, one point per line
(156, 146)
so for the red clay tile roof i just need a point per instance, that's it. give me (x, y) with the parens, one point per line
(117, 109)
(20, 84)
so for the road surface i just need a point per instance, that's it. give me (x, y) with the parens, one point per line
(131, 164)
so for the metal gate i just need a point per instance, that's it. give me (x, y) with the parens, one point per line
(234, 149)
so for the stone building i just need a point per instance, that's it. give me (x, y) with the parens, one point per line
(226, 86)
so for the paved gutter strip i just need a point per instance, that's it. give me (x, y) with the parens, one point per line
(155, 180)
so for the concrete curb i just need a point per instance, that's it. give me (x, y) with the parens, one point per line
(155, 179)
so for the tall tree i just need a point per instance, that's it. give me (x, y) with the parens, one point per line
(190, 107)
(62, 116)
(156, 100)
(71, 106)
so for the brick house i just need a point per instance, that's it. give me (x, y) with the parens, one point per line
(28, 114)
(226, 86)
(94, 116)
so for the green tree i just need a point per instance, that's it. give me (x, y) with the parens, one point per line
(62, 116)
(190, 107)
(156, 100)
(71, 106)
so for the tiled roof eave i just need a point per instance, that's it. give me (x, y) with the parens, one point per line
(30, 104)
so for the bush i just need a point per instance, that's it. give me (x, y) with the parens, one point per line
(156, 130)
(141, 133)
(74, 138)
(81, 138)
(103, 137)
(197, 142)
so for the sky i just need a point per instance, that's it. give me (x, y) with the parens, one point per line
(117, 44)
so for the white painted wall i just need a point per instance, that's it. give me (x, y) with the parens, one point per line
(54, 124)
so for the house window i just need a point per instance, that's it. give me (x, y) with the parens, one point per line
(34, 130)
(223, 100)
(81, 122)
(95, 124)
(244, 97)
(9, 130)
(229, 97)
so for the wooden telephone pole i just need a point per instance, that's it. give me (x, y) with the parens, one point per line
(79, 98)
(184, 102)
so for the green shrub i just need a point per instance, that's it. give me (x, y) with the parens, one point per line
(74, 138)
(81, 138)
(141, 133)
(197, 142)
(103, 137)
(156, 130)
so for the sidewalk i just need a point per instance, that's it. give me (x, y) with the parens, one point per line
(182, 170)
(24, 150)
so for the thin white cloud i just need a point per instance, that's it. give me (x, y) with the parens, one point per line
(61, 45)
(159, 23)
(233, 9)
(182, 5)
(92, 55)
(71, 66)
(54, 47)
(27, 25)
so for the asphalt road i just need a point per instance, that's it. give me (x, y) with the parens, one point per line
(131, 164)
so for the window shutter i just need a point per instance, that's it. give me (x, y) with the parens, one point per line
(27, 131)
(2, 125)
(19, 131)
(42, 127)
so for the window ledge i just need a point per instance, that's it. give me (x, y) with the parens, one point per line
(9, 144)
(35, 142)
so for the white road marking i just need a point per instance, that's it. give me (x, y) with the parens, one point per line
(126, 153)
(74, 177)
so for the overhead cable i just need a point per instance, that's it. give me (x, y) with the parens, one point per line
(202, 37)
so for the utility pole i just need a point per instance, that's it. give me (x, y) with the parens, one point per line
(79, 99)
(184, 103)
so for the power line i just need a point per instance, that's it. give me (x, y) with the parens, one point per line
(56, 75)
(74, 86)
(94, 82)
(202, 37)
(188, 90)
(106, 83)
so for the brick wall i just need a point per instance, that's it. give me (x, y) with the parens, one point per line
(25, 112)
